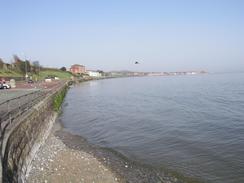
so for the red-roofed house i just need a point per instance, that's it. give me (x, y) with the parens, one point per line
(78, 69)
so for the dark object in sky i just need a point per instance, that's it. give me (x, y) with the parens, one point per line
(136, 62)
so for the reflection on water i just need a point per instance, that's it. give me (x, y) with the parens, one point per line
(192, 124)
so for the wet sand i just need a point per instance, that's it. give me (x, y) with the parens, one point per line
(70, 158)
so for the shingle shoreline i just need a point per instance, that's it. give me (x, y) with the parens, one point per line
(70, 158)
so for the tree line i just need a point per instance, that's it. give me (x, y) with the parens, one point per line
(21, 66)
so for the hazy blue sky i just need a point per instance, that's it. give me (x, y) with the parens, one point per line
(164, 35)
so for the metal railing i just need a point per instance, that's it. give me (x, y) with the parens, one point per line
(11, 110)
(14, 107)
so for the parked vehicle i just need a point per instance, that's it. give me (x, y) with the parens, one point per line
(4, 86)
(48, 80)
(30, 81)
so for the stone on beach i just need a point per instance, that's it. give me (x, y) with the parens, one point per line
(57, 163)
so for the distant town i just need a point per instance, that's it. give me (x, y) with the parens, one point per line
(20, 69)
(81, 69)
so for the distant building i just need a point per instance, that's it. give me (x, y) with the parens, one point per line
(94, 73)
(78, 69)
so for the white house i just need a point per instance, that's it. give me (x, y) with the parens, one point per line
(94, 73)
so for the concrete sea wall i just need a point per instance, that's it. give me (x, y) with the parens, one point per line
(26, 136)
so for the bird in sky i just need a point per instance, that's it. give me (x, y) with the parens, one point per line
(136, 62)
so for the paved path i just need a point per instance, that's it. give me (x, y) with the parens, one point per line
(31, 91)
(9, 95)
(13, 93)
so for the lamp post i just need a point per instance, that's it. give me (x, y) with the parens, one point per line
(38, 69)
(26, 75)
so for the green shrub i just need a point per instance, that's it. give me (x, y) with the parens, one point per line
(58, 99)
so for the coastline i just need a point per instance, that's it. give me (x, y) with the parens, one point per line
(65, 157)
(56, 162)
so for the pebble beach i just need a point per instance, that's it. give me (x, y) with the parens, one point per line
(65, 157)
(55, 162)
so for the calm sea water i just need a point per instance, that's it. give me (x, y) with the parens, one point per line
(191, 124)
